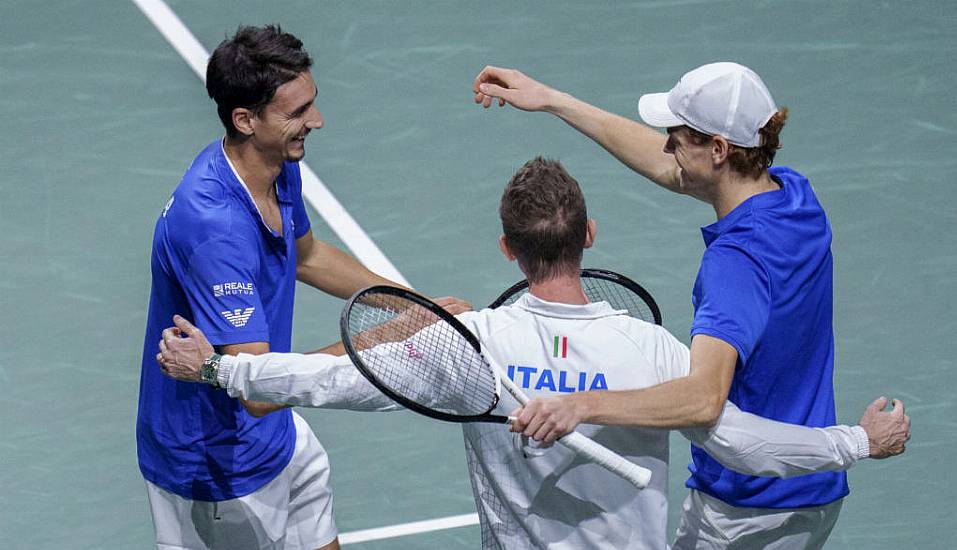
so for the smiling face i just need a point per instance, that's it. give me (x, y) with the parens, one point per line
(280, 128)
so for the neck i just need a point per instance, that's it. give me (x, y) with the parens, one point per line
(258, 172)
(733, 189)
(562, 289)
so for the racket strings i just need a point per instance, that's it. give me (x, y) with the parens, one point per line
(599, 289)
(419, 356)
(618, 296)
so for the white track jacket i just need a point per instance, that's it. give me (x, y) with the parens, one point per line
(528, 497)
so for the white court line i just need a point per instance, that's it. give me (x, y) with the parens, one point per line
(313, 190)
(403, 529)
(183, 41)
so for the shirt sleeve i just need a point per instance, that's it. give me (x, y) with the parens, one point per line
(317, 380)
(220, 286)
(752, 445)
(732, 298)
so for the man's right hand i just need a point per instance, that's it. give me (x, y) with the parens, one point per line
(512, 87)
(183, 350)
(887, 431)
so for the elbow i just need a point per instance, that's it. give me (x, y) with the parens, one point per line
(256, 412)
(709, 413)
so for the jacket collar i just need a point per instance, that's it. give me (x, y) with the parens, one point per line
(538, 306)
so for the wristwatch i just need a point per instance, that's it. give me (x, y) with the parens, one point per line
(209, 372)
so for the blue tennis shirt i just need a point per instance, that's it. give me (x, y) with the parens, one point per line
(217, 263)
(765, 288)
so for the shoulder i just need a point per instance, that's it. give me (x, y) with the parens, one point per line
(650, 348)
(487, 322)
(201, 215)
(730, 252)
(643, 334)
(786, 173)
(799, 191)
(729, 265)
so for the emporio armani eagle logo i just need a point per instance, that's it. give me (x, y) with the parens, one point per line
(238, 318)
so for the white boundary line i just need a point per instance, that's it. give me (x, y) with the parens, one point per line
(403, 529)
(313, 190)
(183, 41)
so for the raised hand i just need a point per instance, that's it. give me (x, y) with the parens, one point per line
(512, 87)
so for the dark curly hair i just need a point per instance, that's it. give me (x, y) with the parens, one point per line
(246, 69)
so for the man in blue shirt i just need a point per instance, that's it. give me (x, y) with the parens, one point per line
(227, 250)
(762, 334)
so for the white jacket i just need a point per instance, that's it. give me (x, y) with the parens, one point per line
(529, 497)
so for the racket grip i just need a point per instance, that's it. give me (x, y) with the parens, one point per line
(606, 458)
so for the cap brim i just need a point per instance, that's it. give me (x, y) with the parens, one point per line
(653, 110)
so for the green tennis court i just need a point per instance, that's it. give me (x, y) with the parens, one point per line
(103, 116)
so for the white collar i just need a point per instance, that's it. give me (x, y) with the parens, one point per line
(594, 310)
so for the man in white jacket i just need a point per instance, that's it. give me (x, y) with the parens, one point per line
(530, 497)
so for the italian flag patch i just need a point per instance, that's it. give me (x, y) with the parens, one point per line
(560, 346)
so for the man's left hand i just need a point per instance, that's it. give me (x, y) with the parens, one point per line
(887, 431)
(183, 350)
(453, 305)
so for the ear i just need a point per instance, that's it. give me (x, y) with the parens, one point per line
(591, 231)
(243, 121)
(720, 149)
(503, 246)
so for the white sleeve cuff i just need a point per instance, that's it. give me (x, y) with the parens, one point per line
(863, 444)
(226, 365)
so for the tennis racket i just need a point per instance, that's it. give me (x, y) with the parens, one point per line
(601, 286)
(419, 355)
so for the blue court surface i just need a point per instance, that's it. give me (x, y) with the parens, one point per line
(102, 115)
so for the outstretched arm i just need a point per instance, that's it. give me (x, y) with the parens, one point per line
(753, 445)
(319, 380)
(695, 400)
(634, 144)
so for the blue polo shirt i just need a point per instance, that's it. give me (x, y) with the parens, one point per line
(217, 263)
(765, 288)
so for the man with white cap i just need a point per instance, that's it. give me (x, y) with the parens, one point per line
(762, 334)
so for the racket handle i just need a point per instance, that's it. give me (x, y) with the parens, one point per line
(607, 459)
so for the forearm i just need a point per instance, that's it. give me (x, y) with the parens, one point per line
(321, 381)
(637, 146)
(333, 271)
(254, 408)
(680, 403)
(753, 445)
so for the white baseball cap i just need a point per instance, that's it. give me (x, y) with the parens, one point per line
(718, 99)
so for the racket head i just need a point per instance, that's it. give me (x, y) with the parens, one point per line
(601, 285)
(419, 355)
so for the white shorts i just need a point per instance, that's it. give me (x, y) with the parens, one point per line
(291, 512)
(709, 523)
